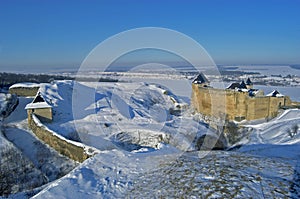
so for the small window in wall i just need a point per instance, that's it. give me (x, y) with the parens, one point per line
(279, 105)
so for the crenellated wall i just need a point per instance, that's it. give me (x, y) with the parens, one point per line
(233, 105)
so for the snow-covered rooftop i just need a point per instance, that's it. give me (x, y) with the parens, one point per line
(275, 93)
(200, 79)
(25, 85)
(233, 85)
(37, 105)
(38, 102)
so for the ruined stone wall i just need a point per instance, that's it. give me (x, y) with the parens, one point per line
(235, 105)
(74, 150)
(24, 92)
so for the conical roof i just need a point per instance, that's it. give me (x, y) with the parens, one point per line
(38, 102)
(249, 82)
(38, 98)
(243, 85)
(200, 79)
(275, 93)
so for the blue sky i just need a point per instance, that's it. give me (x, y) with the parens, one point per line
(54, 34)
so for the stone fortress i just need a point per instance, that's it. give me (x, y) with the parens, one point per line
(238, 102)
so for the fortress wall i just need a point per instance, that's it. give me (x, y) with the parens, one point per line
(74, 150)
(219, 102)
(251, 109)
(238, 105)
(241, 106)
(231, 105)
(261, 107)
(24, 91)
(288, 101)
(275, 104)
(197, 99)
(258, 108)
(208, 101)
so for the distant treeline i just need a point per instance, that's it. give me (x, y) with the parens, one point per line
(8, 79)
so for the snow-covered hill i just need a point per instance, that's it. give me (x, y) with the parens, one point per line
(17, 173)
(279, 137)
(144, 148)
(121, 115)
(25, 162)
(147, 138)
(119, 174)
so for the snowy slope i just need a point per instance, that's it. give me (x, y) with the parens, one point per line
(107, 115)
(17, 172)
(144, 147)
(279, 137)
(117, 174)
(26, 162)
(151, 160)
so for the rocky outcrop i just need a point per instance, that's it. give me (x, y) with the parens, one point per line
(234, 132)
(226, 133)
(9, 105)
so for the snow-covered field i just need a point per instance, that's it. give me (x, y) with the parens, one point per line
(269, 70)
(146, 135)
(145, 148)
(266, 166)
(130, 116)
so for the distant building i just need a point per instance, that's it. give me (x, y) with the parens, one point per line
(24, 89)
(237, 102)
(40, 107)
